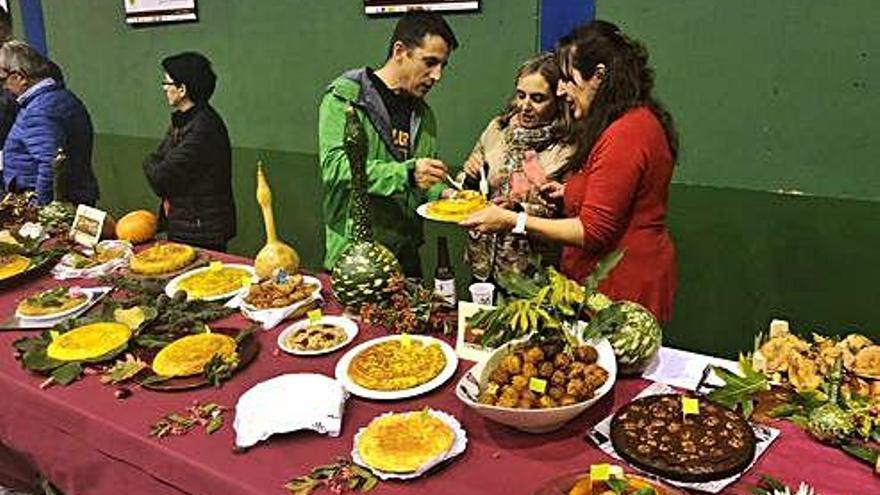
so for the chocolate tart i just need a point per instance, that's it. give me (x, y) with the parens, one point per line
(651, 434)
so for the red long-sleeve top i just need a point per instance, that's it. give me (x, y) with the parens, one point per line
(620, 196)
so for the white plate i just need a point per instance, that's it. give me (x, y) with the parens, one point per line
(316, 294)
(349, 326)
(171, 287)
(56, 316)
(459, 444)
(445, 374)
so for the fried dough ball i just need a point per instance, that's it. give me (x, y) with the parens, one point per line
(528, 395)
(567, 400)
(534, 355)
(487, 398)
(512, 364)
(562, 360)
(595, 375)
(500, 376)
(586, 354)
(529, 370)
(546, 402)
(555, 393)
(558, 378)
(577, 388)
(576, 370)
(525, 403)
(551, 349)
(509, 393)
(507, 402)
(519, 382)
(545, 369)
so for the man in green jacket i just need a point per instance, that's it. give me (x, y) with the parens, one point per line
(402, 169)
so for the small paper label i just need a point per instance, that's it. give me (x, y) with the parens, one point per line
(315, 316)
(600, 472)
(689, 405)
(405, 340)
(537, 385)
(215, 265)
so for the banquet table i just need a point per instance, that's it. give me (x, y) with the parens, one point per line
(87, 441)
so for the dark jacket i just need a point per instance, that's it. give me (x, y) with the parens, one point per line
(50, 118)
(192, 170)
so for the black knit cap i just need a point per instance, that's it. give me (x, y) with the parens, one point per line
(194, 70)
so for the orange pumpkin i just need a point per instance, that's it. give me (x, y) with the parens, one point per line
(137, 226)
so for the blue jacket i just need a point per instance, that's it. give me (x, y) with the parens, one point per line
(50, 118)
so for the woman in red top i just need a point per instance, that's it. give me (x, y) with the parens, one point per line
(618, 198)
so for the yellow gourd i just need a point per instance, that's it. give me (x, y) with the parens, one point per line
(275, 254)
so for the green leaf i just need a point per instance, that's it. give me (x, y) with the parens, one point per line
(37, 360)
(617, 486)
(150, 380)
(738, 389)
(865, 454)
(747, 407)
(214, 424)
(645, 491)
(602, 270)
(66, 374)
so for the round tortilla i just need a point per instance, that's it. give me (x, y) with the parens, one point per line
(88, 342)
(188, 355)
(403, 443)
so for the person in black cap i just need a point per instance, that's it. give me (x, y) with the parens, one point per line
(192, 169)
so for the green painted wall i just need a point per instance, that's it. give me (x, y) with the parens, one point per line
(768, 96)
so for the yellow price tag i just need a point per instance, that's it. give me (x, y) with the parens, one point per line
(405, 340)
(600, 472)
(689, 405)
(215, 266)
(537, 385)
(315, 316)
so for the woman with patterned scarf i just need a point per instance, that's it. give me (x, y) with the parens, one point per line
(520, 150)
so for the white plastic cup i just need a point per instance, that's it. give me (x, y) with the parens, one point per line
(482, 293)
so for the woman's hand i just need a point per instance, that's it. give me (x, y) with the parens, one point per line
(490, 219)
(553, 190)
(473, 165)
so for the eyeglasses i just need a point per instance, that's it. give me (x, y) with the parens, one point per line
(166, 84)
(5, 73)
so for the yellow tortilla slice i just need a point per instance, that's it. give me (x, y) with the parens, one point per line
(457, 208)
(88, 342)
(13, 264)
(403, 443)
(188, 355)
(30, 308)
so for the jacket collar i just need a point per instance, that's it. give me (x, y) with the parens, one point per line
(370, 101)
(42, 86)
(180, 119)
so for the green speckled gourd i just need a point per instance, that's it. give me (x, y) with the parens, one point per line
(633, 332)
(830, 423)
(365, 268)
(59, 214)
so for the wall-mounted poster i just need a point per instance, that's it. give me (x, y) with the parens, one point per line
(397, 6)
(156, 11)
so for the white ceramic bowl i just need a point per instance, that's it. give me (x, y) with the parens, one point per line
(531, 420)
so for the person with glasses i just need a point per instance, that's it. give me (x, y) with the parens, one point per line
(50, 117)
(192, 169)
(618, 198)
(401, 139)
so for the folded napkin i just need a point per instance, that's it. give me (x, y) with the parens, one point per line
(65, 269)
(286, 403)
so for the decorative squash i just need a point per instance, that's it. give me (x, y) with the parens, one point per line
(365, 268)
(59, 214)
(89, 342)
(137, 226)
(275, 254)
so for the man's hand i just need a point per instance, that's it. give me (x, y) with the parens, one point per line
(473, 164)
(428, 172)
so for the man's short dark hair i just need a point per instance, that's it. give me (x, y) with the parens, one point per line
(412, 28)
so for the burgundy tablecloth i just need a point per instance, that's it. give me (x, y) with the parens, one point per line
(88, 442)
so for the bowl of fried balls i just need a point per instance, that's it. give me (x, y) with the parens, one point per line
(538, 384)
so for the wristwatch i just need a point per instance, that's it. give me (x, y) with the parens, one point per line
(520, 226)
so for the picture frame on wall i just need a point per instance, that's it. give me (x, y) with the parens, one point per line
(383, 7)
(142, 12)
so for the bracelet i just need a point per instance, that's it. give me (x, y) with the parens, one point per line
(520, 226)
